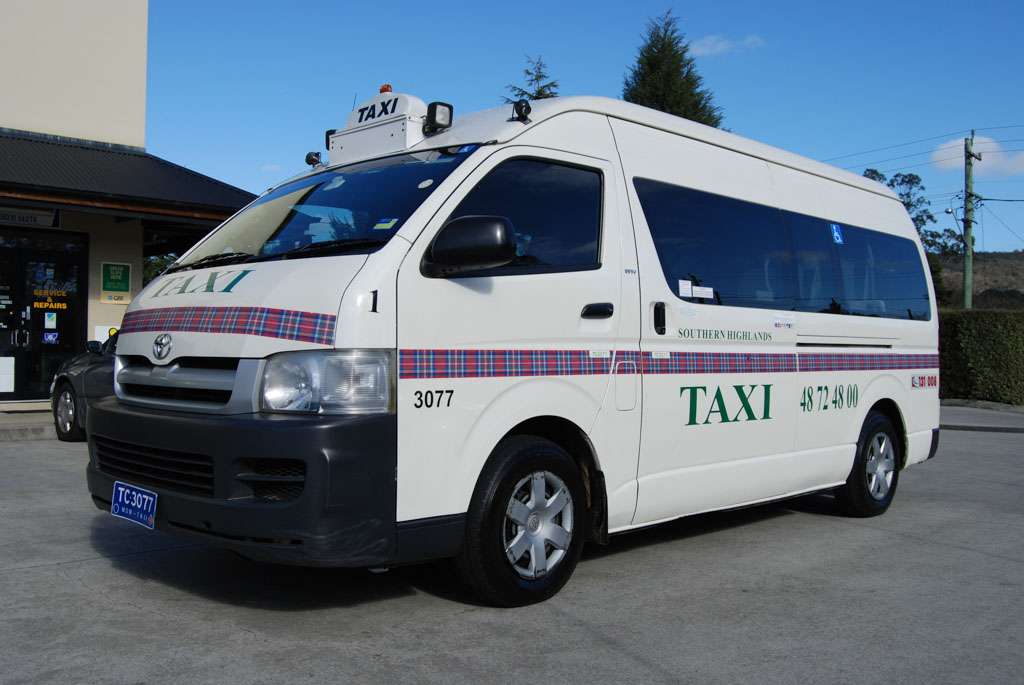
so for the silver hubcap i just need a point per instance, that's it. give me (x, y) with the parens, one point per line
(538, 524)
(881, 465)
(66, 411)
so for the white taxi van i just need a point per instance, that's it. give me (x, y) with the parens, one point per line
(496, 337)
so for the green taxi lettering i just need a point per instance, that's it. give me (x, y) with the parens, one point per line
(213, 283)
(728, 405)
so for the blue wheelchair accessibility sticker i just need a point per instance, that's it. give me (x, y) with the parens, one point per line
(837, 234)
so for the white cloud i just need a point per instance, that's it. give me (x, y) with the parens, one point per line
(995, 160)
(716, 44)
(270, 168)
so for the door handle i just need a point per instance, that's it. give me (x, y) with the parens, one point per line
(659, 318)
(598, 310)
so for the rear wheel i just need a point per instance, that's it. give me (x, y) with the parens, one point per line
(65, 414)
(871, 485)
(525, 527)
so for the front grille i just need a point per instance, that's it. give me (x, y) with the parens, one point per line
(272, 480)
(181, 394)
(183, 472)
(225, 363)
(203, 384)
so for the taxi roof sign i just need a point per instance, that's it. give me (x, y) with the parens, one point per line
(388, 122)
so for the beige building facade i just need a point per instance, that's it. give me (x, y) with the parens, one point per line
(95, 51)
(82, 203)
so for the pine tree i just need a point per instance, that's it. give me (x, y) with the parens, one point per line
(538, 85)
(665, 76)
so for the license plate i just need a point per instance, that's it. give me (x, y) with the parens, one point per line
(133, 504)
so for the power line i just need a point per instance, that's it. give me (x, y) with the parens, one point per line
(922, 140)
(1005, 225)
(996, 199)
(936, 161)
(914, 166)
(928, 152)
(891, 147)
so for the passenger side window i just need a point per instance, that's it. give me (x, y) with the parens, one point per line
(818, 288)
(555, 210)
(718, 250)
(882, 276)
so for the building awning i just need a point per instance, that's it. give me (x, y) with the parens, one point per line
(48, 169)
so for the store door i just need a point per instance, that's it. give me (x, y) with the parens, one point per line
(43, 302)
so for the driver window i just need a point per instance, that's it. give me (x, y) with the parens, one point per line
(555, 210)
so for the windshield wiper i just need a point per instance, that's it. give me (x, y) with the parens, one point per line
(210, 260)
(339, 245)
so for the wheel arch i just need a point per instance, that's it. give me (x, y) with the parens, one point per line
(891, 410)
(574, 440)
(59, 380)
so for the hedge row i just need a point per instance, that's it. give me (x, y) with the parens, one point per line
(982, 355)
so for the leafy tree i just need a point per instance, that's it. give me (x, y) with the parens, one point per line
(943, 292)
(154, 265)
(538, 84)
(665, 76)
(910, 190)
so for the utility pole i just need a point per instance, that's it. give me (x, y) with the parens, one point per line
(969, 157)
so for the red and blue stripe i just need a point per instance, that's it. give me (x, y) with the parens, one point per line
(440, 363)
(286, 324)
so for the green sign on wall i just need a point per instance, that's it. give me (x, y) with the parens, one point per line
(116, 280)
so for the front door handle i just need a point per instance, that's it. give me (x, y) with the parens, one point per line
(598, 310)
(659, 318)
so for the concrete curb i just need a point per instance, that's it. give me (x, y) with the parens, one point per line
(984, 404)
(34, 431)
(981, 429)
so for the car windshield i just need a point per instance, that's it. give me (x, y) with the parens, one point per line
(355, 208)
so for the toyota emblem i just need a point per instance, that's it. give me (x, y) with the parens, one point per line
(162, 346)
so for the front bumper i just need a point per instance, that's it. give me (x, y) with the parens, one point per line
(344, 516)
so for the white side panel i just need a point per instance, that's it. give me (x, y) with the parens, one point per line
(709, 487)
(442, 449)
(695, 423)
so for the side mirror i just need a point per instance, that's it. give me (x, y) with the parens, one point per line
(94, 346)
(470, 243)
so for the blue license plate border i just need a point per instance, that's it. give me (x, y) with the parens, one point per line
(135, 504)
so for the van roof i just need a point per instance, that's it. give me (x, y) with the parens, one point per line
(495, 125)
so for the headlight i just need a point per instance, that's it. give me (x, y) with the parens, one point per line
(329, 382)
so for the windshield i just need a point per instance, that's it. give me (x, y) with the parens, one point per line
(355, 208)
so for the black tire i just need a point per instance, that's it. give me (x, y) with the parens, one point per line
(74, 433)
(862, 494)
(483, 564)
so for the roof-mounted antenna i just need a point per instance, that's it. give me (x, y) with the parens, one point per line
(354, 96)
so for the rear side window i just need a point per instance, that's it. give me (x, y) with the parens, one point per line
(882, 276)
(718, 250)
(555, 210)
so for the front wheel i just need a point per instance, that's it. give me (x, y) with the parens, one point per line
(65, 415)
(525, 526)
(870, 487)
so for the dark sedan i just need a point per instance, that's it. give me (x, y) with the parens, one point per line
(87, 376)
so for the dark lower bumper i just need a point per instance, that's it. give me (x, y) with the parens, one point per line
(345, 515)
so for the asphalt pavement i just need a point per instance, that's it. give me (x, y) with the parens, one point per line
(786, 593)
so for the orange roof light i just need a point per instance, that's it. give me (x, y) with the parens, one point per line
(386, 88)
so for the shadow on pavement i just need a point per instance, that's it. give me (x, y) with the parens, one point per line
(688, 527)
(224, 576)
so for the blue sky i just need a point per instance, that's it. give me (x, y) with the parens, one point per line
(241, 90)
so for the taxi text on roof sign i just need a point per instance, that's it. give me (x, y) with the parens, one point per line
(389, 122)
